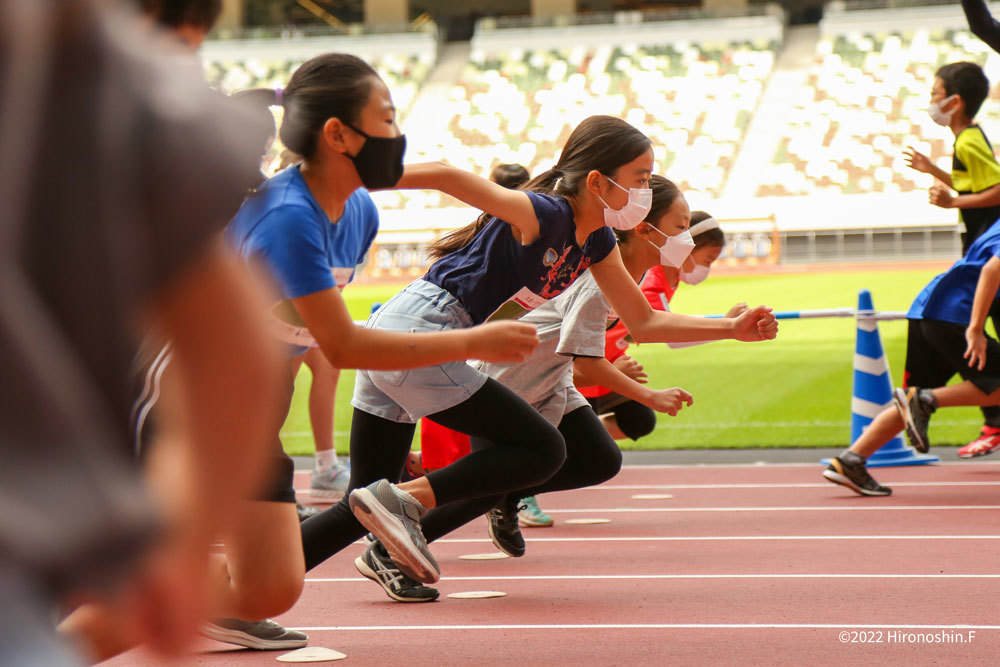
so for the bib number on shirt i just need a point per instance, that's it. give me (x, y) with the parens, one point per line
(516, 306)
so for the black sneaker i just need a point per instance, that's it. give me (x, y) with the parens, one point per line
(915, 406)
(262, 635)
(376, 565)
(393, 516)
(504, 530)
(855, 477)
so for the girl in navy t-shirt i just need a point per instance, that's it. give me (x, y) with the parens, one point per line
(529, 246)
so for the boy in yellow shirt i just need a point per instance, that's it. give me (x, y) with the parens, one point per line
(959, 90)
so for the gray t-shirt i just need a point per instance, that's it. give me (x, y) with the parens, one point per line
(570, 325)
(117, 167)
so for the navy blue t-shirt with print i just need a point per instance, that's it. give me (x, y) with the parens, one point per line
(495, 277)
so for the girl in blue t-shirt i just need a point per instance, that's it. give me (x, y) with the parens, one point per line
(529, 246)
(304, 230)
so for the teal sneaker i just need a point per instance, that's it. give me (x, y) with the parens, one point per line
(532, 515)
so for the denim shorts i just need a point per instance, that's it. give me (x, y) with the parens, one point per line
(406, 396)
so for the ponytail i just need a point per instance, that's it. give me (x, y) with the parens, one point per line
(604, 143)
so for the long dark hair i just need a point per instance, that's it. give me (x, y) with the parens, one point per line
(604, 143)
(333, 85)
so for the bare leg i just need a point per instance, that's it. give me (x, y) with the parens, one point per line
(887, 424)
(264, 569)
(611, 424)
(322, 396)
(964, 393)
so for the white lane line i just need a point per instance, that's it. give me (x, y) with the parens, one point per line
(790, 485)
(765, 464)
(722, 538)
(651, 626)
(849, 508)
(615, 577)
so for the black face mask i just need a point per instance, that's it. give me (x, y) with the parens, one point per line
(380, 161)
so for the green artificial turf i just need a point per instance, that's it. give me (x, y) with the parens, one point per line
(791, 392)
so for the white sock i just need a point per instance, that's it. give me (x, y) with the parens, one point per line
(326, 460)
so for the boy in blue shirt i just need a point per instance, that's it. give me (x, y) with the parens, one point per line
(945, 337)
(958, 92)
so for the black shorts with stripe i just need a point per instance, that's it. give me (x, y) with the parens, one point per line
(152, 373)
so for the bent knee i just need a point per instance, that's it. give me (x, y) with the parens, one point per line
(269, 597)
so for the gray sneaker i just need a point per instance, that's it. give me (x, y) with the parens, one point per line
(331, 484)
(393, 516)
(263, 635)
(376, 565)
(915, 406)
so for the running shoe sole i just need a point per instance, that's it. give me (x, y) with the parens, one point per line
(843, 480)
(902, 404)
(393, 535)
(369, 573)
(981, 451)
(239, 638)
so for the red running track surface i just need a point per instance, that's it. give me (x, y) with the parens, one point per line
(743, 565)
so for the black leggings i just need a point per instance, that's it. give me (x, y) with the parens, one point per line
(633, 418)
(526, 450)
(592, 457)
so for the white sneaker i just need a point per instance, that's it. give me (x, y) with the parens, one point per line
(331, 484)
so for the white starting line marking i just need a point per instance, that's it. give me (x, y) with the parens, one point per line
(618, 577)
(790, 485)
(651, 626)
(848, 508)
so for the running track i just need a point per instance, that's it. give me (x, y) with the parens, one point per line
(743, 565)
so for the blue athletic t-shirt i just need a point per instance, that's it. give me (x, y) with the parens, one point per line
(495, 277)
(305, 252)
(949, 296)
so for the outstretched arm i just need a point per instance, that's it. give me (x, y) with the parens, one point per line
(346, 345)
(981, 22)
(511, 206)
(602, 372)
(649, 326)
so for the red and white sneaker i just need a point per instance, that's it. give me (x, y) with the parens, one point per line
(987, 443)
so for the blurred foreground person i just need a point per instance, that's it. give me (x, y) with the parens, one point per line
(108, 224)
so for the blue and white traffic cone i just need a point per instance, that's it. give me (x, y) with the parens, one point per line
(873, 393)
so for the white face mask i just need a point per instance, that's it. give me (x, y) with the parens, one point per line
(937, 115)
(635, 211)
(675, 249)
(696, 275)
